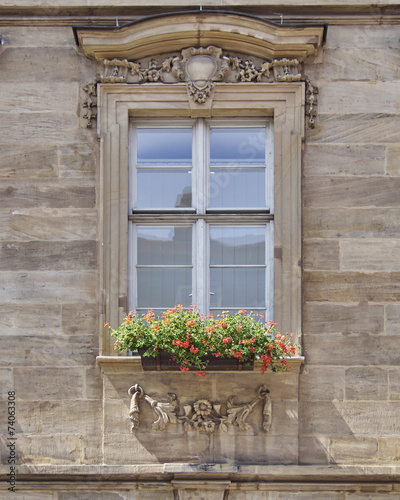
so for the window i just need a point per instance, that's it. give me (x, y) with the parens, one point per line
(201, 214)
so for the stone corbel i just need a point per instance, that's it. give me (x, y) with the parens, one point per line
(201, 415)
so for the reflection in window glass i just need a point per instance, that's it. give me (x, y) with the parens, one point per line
(168, 245)
(164, 146)
(239, 146)
(237, 245)
(237, 188)
(164, 188)
(237, 287)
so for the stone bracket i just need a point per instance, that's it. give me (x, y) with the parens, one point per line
(201, 415)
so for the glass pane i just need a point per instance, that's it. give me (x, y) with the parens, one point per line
(163, 288)
(164, 146)
(237, 187)
(237, 287)
(235, 245)
(237, 146)
(164, 188)
(164, 245)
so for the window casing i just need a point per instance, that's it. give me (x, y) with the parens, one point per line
(201, 214)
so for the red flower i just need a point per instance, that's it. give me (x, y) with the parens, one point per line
(227, 340)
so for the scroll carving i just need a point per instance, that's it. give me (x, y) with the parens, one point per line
(200, 68)
(201, 415)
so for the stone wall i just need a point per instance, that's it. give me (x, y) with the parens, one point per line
(349, 399)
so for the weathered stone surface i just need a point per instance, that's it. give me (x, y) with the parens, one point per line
(60, 64)
(366, 383)
(50, 224)
(372, 255)
(322, 418)
(49, 383)
(323, 317)
(389, 450)
(351, 286)
(308, 495)
(48, 255)
(77, 160)
(61, 417)
(27, 319)
(37, 36)
(49, 194)
(100, 495)
(362, 36)
(321, 383)
(394, 384)
(51, 449)
(362, 128)
(39, 161)
(351, 223)
(48, 287)
(342, 159)
(337, 192)
(314, 450)
(393, 160)
(349, 350)
(321, 254)
(93, 383)
(356, 64)
(79, 319)
(6, 382)
(23, 97)
(393, 319)
(359, 97)
(352, 450)
(30, 350)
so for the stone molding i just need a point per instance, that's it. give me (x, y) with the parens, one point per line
(201, 415)
(171, 32)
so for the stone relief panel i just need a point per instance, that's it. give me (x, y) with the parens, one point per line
(202, 415)
(200, 68)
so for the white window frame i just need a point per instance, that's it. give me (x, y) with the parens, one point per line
(202, 216)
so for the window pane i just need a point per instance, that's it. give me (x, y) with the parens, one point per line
(164, 146)
(237, 146)
(164, 287)
(235, 245)
(237, 287)
(164, 245)
(237, 187)
(164, 188)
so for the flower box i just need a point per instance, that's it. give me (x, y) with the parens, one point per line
(164, 361)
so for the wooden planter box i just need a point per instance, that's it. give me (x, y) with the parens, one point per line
(164, 362)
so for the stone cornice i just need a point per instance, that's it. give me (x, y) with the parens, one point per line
(173, 32)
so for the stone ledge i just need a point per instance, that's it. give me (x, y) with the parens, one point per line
(132, 364)
(165, 473)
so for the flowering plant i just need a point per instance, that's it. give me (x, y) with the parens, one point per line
(189, 337)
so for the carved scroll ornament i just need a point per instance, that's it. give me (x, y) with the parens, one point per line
(201, 415)
(200, 68)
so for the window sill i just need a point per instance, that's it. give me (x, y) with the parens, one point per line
(132, 364)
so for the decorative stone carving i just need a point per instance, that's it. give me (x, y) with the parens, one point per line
(90, 103)
(201, 415)
(200, 68)
(311, 103)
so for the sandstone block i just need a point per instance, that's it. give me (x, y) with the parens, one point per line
(77, 160)
(99, 495)
(358, 128)
(48, 287)
(39, 161)
(351, 286)
(389, 450)
(323, 317)
(351, 223)
(354, 450)
(50, 224)
(339, 192)
(47, 194)
(48, 255)
(359, 97)
(364, 383)
(322, 418)
(321, 254)
(49, 383)
(321, 383)
(366, 36)
(392, 319)
(369, 418)
(338, 159)
(314, 450)
(394, 384)
(79, 319)
(372, 254)
(27, 319)
(393, 160)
